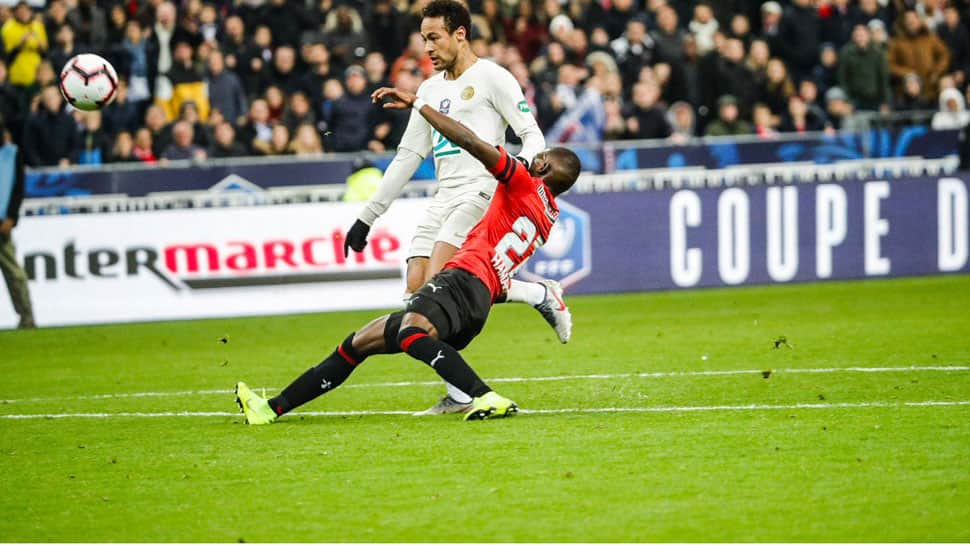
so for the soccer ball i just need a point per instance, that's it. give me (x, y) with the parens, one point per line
(88, 82)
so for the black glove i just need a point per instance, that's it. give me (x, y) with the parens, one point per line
(356, 237)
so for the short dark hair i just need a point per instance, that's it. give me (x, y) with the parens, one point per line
(567, 166)
(454, 13)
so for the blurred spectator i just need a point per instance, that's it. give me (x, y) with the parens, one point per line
(387, 30)
(11, 196)
(726, 74)
(771, 13)
(160, 45)
(953, 112)
(93, 146)
(680, 117)
(764, 121)
(298, 112)
(55, 17)
(276, 101)
(187, 83)
(524, 31)
(912, 97)
(798, 38)
(64, 48)
(777, 87)
(283, 19)
(363, 181)
(11, 108)
(278, 144)
(182, 146)
(728, 122)
(415, 56)
(306, 141)
(757, 61)
(50, 134)
(352, 118)
(224, 89)
(124, 149)
(25, 44)
(870, 10)
(837, 21)
(634, 49)
(740, 28)
(614, 125)
(318, 59)
(826, 72)
(669, 37)
(139, 61)
(345, 35)
(283, 73)
(258, 130)
(808, 92)
(233, 43)
(224, 143)
(121, 114)
(583, 121)
(189, 112)
(879, 36)
(92, 27)
(617, 15)
(209, 24)
(954, 34)
(863, 73)
(702, 27)
(158, 128)
(646, 118)
(839, 110)
(253, 68)
(376, 68)
(916, 50)
(799, 118)
(931, 13)
(42, 78)
(143, 148)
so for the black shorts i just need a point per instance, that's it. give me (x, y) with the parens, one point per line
(456, 302)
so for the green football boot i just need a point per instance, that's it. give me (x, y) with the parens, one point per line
(256, 409)
(491, 405)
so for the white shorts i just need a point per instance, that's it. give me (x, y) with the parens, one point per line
(448, 222)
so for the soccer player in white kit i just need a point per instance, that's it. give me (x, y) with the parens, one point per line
(487, 98)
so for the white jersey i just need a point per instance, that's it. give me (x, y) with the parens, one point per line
(487, 99)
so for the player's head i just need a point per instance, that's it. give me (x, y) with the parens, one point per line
(445, 27)
(558, 168)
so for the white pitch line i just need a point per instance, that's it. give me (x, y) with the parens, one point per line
(700, 408)
(661, 374)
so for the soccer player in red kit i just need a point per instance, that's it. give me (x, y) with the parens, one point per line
(450, 310)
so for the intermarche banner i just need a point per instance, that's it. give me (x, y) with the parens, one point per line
(289, 259)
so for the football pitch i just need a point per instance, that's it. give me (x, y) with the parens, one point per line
(828, 412)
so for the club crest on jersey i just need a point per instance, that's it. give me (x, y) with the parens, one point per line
(467, 93)
(445, 106)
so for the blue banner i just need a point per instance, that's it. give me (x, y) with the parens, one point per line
(137, 182)
(672, 239)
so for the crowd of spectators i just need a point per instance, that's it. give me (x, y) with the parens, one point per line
(220, 78)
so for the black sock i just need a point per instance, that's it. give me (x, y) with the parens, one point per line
(316, 381)
(444, 359)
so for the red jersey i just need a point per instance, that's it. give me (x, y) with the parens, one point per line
(517, 222)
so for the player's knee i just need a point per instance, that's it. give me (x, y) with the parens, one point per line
(408, 335)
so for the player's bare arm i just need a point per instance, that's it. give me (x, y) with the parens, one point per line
(454, 131)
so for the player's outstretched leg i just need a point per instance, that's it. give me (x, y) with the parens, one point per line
(316, 381)
(546, 297)
(450, 366)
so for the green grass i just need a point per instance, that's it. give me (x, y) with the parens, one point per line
(862, 466)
